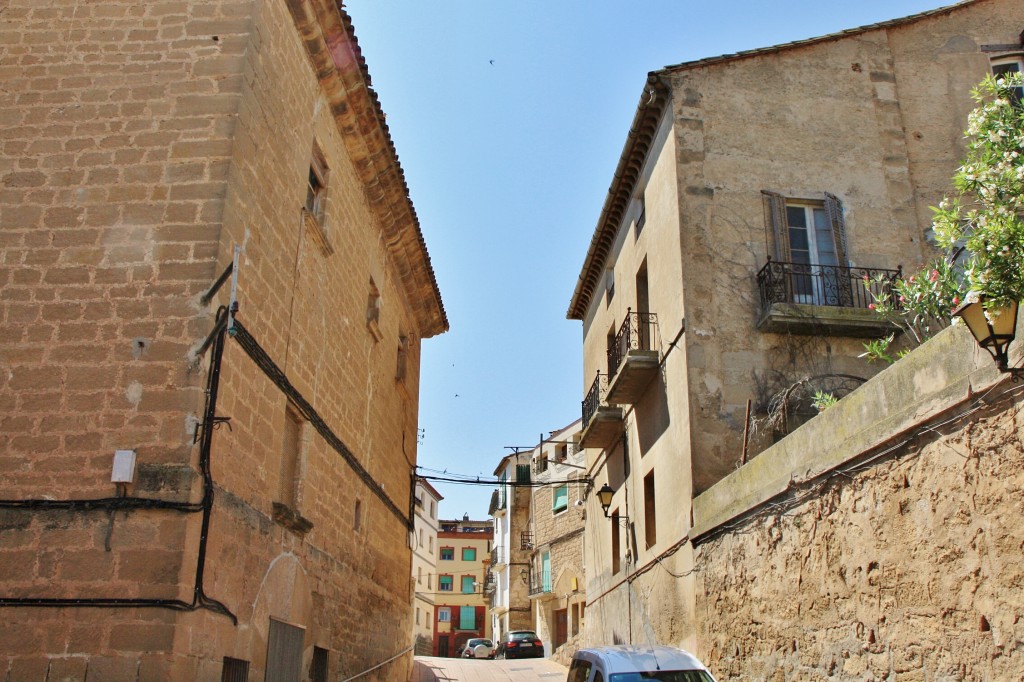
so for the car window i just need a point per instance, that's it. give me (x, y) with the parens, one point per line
(662, 676)
(579, 671)
(523, 635)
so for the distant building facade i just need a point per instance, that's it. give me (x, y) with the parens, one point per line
(460, 609)
(509, 583)
(758, 198)
(424, 565)
(214, 297)
(557, 575)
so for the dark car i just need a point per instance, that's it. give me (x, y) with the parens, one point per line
(520, 644)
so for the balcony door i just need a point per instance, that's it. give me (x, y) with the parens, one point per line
(812, 247)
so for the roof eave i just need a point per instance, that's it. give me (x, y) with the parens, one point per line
(641, 136)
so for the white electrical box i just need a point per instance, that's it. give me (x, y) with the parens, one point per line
(124, 467)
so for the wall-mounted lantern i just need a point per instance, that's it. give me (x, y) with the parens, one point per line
(993, 330)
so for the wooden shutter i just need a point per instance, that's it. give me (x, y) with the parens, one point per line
(775, 224)
(234, 670)
(834, 209)
(284, 652)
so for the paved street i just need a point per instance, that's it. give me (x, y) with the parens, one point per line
(429, 669)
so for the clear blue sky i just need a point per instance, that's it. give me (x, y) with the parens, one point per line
(509, 119)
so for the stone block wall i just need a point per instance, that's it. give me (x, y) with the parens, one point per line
(140, 144)
(906, 570)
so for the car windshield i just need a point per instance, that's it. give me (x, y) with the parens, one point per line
(662, 676)
(477, 642)
(523, 635)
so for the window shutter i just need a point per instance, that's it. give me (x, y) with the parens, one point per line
(834, 208)
(775, 219)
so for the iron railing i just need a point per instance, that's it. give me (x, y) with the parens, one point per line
(595, 396)
(525, 540)
(825, 285)
(497, 555)
(540, 581)
(635, 333)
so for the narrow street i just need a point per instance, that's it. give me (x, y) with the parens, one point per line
(430, 669)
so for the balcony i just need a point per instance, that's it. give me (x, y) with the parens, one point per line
(540, 582)
(602, 423)
(525, 540)
(498, 556)
(632, 359)
(823, 299)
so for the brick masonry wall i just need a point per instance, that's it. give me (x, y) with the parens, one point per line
(908, 570)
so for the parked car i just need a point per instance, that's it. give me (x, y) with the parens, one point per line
(632, 663)
(478, 647)
(520, 644)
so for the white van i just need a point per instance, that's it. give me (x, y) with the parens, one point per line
(630, 663)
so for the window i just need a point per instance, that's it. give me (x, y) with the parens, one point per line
(540, 465)
(447, 554)
(430, 581)
(444, 614)
(373, 311)
(1007, 65)
(444, 583)
(467, 617)
(560, 499)
(421, 537)
(615, 541)
(579, 671)
(319, 669)
(417, 615)
(234, 670)
(469, 553)
(545, 571)
(419, 575)
(291, 448)
(650, 515)
(810, 240)
(316, 187)
(430, 544)
(468, 584)
(357, 516)
(402, 357)
(609, 283)
(562, 452)
(641, 218)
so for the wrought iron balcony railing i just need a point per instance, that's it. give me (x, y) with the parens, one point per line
(540, 581)
(824, 285)
(595, 396)
(497, 555)
(636, 333)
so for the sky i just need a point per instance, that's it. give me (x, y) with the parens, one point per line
(509, 119)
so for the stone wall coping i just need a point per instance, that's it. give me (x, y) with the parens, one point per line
(937, 376)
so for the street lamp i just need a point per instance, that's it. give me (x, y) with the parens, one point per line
(993, 329)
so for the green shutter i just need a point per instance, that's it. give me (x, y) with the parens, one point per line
(467, 618)
(561, 498)
(467, 584)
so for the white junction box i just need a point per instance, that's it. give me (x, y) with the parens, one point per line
(124, 467)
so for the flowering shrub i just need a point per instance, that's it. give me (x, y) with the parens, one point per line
(982, 227)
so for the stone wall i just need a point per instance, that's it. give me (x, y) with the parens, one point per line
(892, 554)
(141, 143)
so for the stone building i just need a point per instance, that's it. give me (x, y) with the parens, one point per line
(460, 609)
(724, 283)
(557, 585)
(509, 578)
(214, 293)
(424, 565)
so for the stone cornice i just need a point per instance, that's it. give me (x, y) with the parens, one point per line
(327, 34)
